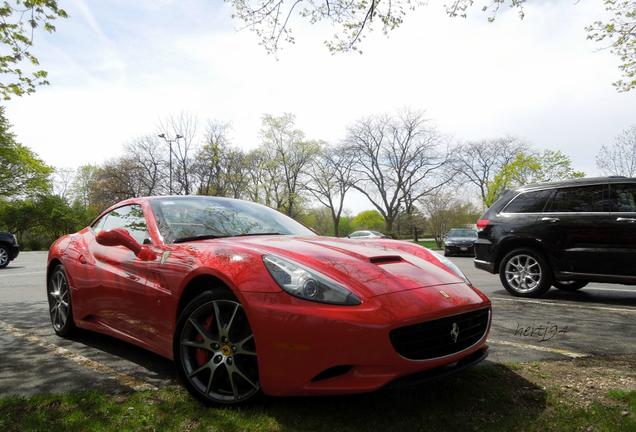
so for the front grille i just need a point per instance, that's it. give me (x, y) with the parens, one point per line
(464, 244)
(442, 337)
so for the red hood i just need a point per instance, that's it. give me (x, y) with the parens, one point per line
(370, 268)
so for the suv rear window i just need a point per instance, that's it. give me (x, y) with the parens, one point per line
(578, 199)
(529, 202)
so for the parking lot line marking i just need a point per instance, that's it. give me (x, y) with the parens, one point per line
(101, 369)
(538, 348)
(570, 305)
(9, 274)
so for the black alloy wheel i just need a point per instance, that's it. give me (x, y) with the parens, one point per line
(215, 352)
(60, 307)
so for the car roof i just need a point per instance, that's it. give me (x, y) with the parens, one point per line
(575, 182)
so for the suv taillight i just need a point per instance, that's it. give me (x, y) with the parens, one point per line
(482, 223)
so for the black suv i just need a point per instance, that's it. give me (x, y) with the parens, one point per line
(9, 248)
(562, 234)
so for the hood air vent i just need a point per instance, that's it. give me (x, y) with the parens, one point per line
(386, 260)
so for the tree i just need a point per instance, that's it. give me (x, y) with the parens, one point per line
(84, 186)
(149, 159)
(56, 218)
(22, 172)
(620, 29)
(288, 155)
(479, 161)
(619, 160)
(319, 218)
(528, 169)
(62, 181)
(18, 216)
(443, 211)
(397, 158)
(119, 179)
(221, 169)
(369, 220)
(179, 133)
(18, 21)
(331, 177)
(272, 20)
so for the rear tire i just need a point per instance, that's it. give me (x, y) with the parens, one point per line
(60, 306)
(525, 273)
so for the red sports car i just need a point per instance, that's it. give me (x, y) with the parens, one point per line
(247, 301)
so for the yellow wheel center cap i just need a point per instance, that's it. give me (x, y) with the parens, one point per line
(226, 350)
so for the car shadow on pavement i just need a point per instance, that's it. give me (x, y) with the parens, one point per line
(606, 297)
(480, 396)
(36, 361)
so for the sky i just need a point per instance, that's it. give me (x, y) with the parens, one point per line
(117, 68)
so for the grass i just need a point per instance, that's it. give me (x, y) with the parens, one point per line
(485, 398)
(429, 244)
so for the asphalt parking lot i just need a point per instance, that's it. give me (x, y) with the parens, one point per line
(600, 319)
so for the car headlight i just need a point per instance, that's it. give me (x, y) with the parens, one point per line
(449, 243)
(451, 266)
(306, 284)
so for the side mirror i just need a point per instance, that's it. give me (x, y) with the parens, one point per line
(121, 237)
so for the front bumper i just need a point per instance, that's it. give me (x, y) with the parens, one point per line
(485, 265)
(459, 249)
(309, 349)
(440, 372)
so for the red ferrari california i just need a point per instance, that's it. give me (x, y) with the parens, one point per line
(247, 301)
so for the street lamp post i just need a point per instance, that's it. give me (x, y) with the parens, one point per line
(169, 141)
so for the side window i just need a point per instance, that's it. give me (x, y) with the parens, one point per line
(578, 199)
(129, 217)
(529, 202)
(98, 225)
(624, 197)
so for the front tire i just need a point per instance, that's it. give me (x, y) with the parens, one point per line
(215, 352)
(525, 273)
(60, 306)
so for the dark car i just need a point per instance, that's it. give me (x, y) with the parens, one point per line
(563, 234)
(460, 241)
(9, 248)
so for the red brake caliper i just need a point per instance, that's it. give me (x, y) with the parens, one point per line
(203, 355)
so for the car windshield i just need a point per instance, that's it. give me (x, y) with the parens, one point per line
(462, 233)
(194, 218)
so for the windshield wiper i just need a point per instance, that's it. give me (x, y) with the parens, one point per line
(195, 238)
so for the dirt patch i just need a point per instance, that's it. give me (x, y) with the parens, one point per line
(583, 380)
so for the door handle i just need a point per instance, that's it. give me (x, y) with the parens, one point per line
(628, 220)
(550, 219)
